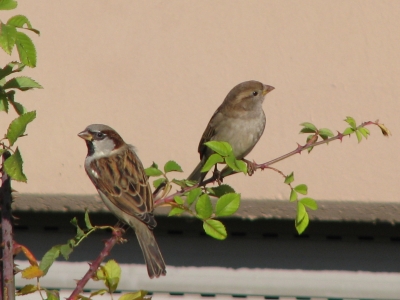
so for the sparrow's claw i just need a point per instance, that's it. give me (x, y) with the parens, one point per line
(217, 176)
(251, 166)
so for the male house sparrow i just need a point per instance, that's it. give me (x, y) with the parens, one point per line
(120, 179)
(239, 120)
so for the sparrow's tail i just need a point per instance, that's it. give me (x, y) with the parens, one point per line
(196, 175)
(152, 255)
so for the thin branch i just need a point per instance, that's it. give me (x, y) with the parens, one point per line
(109, 244)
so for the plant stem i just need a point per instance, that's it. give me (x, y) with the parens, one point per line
(8, 288)
(109, 244)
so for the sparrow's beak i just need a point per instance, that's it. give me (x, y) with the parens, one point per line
(267, 89)
(85, 135)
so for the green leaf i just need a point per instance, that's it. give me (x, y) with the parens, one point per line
(66, 250)
(364, 131)
(18, 126)
(184, 183)
(19, 21)
(74, 221)
(27, 289)
(153, 172)
(308, 128)
(13, 167)
(3, 103)
(113, 275)
(227, 205)
(176, 211)
(215, 229)
(300, 227)
(220, 190)
(158, 182)
(289, 179)
(178, 200)
(98, 292)
(171, 166)
(79, 231)
(301, 189)
(310, 203)
(211, 161)
(52, 295)
(222, 148)
(8, 4)
(359, 136)
(293, 196)
(22, 83)
(325, 133)
(10, 68)
(193, 195)
(351, 122)
(301, 212)
(8, 36)
(236, 165)
(26, 49)
(87, 220)
(48, 259)
(242, 166)
(204, 207)
(348, 130)
(19, 108)
(133, 296)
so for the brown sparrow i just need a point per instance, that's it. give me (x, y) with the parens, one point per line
(239, 120)
(120, 179)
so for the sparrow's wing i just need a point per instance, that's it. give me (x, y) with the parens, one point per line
(123, 181)
(209, 133)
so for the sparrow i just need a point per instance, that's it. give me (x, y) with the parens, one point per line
(239, 120)
(119, 177)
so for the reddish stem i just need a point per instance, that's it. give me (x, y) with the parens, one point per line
(109, 244)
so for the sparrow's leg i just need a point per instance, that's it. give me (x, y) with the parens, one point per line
(251, 166)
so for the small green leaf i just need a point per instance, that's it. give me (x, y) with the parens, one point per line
(22, 83)
(18, 126)
(293, 196)
(220, 190)
(308, 128)
(3, 103)
(176, 211)
(359, 136)
(227, 205)
(184, 183)
(193, 195)
(19, 108)
(242, 166)
(301, 189)
(133, 296)
(301, 212)
(178, 200)
(52, 295)
(66, 250)
(236, 165)
(48, 259)
(222, 148)
(171, 166)
(364, 131)
(99, 292)
(215, 229)
(19, 21)
(153, 172)
(79, 232)
(8, 4)
(13, 167)
(8, 36)
(113, 275)
(348, 130)
(325, 133)
(211, 161)
(74, 221)
(87, 220)
(26, 49)
(204, 207)
(27, 289)
(158, 182)
(289, 179)
(10, 68)
(351, 122)
(310, 203)
(300, 227)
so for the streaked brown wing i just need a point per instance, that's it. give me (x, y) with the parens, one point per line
(123, 180)
(207, 136)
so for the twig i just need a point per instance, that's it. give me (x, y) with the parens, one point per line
(109, 244)
(8, 288)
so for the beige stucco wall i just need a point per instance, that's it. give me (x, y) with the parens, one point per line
(157, 70)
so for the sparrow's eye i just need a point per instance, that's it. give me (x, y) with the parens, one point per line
(255, 93)
(99, 135)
